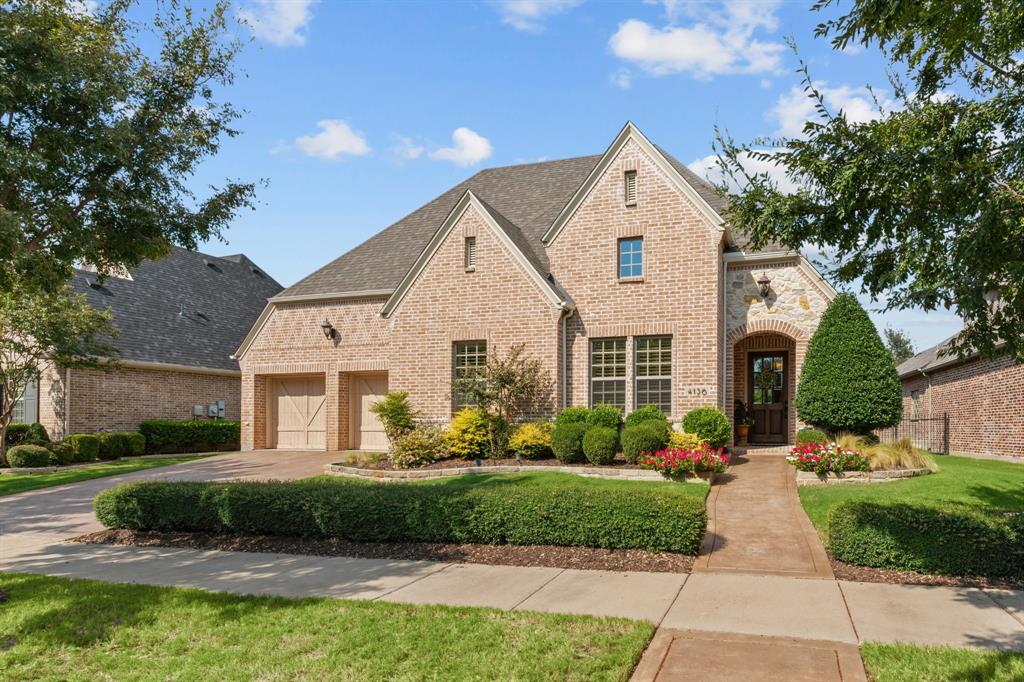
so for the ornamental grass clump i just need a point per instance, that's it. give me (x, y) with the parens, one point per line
(822, 458)
(678, 464)
(888, 456)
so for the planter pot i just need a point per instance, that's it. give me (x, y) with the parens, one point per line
(742, 431)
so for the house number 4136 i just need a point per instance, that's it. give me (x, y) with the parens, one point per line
(699, 390)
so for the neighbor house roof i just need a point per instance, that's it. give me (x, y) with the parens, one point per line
(189, 309)
(525, 199)
(933, 357)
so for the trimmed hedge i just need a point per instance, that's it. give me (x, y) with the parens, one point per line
(136, 443)
(654, 518)
(60, 454)
(710, 424)
(572, 415)
(648, 436)
(17, 434)
(112, 445)
(608, 416)
(169, 435)
(86, 447)
(645, 414)
(567, 442)
(28, 456)
(947, 539)
(809, 435)
(600, 443)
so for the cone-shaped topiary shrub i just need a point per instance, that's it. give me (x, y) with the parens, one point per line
(848, 381)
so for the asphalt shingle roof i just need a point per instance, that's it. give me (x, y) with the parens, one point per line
(187, 309)
(929, 358)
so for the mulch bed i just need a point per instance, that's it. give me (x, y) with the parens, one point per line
(619, 463)
(499, 555)
(864, 574)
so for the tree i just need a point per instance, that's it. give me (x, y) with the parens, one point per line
(99, 140)
(42, 330)
(507, 388)
(924, 204)
(848, 382)
(899, 344)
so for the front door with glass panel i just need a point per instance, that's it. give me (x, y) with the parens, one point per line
(768, 399)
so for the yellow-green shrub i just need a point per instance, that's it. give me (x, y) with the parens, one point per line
(467, 435)
(532, 440)
(680, 440)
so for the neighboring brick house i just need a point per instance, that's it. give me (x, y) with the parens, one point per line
(179, 320)
(980, 400)
(616, 271)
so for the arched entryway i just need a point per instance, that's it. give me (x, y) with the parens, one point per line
(765, 362)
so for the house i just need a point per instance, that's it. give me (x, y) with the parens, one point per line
(977, 401)
(616, 271)
(179, 320)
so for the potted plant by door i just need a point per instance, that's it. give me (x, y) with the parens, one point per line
(741, 417)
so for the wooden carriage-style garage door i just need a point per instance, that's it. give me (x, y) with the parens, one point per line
(299, 410)
(366, 430)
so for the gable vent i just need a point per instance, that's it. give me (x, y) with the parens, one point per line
(213, 266)
(256, 272)
(470, 256)
(630, 181)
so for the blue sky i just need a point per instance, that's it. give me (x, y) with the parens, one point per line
(358, 113)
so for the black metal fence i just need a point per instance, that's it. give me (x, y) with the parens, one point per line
(927, 433)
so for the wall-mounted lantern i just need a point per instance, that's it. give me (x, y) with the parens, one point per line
(764, 285)
(328, 329)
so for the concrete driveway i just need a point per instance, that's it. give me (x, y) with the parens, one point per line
(66, 510)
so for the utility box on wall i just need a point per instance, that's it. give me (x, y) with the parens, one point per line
(216, 410)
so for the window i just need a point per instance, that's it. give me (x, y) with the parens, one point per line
(470, 357)
(470, 255)
(608, 372)
(653, 368)
(915, 397)
(768, 373)
(630, 182)
(631, 257)
(26, 409)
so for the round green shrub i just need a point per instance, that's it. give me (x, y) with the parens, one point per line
(28, 456)
(608, 416)
(112, 445)
(136, 443)
(848, 381)
(809, 435)
(567, 442)
(85, 446)
(572, 415)
(648, 436)
(600, 443)
(37, 432)
(710, 424)
(418, 447)
(645, 414)
(61, 453)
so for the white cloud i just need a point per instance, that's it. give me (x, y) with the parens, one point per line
(794, 108)
(469, 148)
(622, 78)
(529, 15)
(405, 149)
(766, 83)
(279, 22)
(334, 140)
(709, 168)
(718, 41)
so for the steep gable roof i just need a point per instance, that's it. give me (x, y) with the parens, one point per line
(188, 309)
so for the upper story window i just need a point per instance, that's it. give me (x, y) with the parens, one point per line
(470, 358)
(26, 409)
(653, 369)
(630, 185)
(470, 253)
(631, 257)
(608, 372)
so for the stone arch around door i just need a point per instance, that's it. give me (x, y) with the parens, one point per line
(761, 338)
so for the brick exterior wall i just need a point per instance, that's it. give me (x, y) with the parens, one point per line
(983, 399)
(118, 400)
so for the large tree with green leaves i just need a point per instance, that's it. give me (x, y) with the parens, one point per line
(103, 123)
(924, 204)
(43, 330)
(899, 344)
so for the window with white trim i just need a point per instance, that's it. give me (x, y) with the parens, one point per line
(629, 180)
(26, 408)
(469, 358)
(631, 257)
(470, 253)
(652, 365)
(608, 372)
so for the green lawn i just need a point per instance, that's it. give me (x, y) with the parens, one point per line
(544, 478)
(54, 628)
(19, 483)
(981, 482)
(909, 663)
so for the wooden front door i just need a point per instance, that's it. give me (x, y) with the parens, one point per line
(768, 396)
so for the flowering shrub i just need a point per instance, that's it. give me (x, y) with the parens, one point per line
(822, 458)
(676, 464)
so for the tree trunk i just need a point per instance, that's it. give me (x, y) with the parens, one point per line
(3, 444)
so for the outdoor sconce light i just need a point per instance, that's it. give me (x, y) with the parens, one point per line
(329, 331)
(764, 285)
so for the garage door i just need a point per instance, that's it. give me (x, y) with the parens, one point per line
(367, 432)
(299, 413)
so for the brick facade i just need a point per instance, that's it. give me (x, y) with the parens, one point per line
(118, 400)
(982, 399)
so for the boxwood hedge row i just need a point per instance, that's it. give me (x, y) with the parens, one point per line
(169, 435)
(935, 538)
(539, 514)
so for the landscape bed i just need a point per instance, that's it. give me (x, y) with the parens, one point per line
(56, 628)
(515, 509)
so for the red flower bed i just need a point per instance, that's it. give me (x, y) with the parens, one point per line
(677, 464)
(822, 458)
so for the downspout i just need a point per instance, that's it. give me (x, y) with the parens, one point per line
(67, 402)
(566, 314)
(725, 350)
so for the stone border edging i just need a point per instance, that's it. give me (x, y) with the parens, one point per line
(809, 478)
(82, 465)
(586, 472)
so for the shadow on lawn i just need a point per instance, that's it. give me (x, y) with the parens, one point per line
(998, 498)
